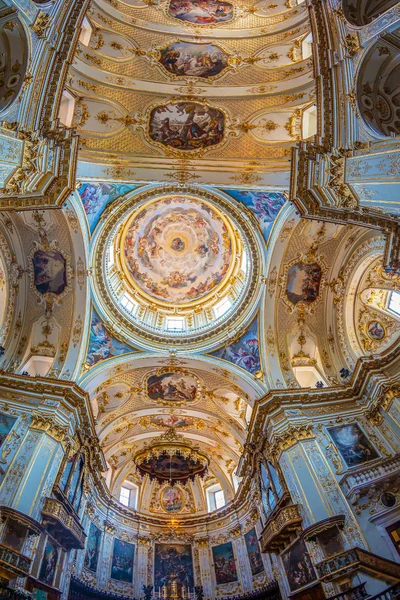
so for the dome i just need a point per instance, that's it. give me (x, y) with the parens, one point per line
(178, 250)
(176, 266)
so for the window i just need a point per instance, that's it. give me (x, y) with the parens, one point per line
(394, 303)
(175, 323)
(222, 307)
(215, 497)
(219, 499)
(125, 496)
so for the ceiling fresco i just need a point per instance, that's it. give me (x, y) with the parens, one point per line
(178, 249)
(223, 86)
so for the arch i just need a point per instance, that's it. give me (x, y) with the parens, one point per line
(378, 87)
(14, 50)
(363, 12)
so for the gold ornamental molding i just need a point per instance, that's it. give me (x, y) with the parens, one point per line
(235, 532)
(47, 424)
(202, 542)
(281, 529)
(325, 525)
(383, 402)
(143, 541)
(334, 398)
(313, 195)
(290, 438)
(33, 527)
(62, 525)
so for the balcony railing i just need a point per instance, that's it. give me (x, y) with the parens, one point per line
(392, 593)
(280, 529)
(357, 559)
(13, 562)
(356, 593)
(60, 523)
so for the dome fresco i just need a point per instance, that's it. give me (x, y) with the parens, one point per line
(176, 266)
(178, 249)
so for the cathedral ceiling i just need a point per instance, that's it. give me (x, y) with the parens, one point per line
(161, 93)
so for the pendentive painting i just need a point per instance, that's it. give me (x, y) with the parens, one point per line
(253, 551)
(353, 444)
(265, 206)
(172, 387)
(303, 282)
(122, 561)
(172, 499)
(49, 272)
(376, 330)
(173, 558)
(49, 563)
(6, 424)
(92, 548)
(245, 352)
(298, 566)
(96, 196)
(201, 12)
(224, 563)
(194, 60)
(186, 125)
(172, 421)
(101, 344)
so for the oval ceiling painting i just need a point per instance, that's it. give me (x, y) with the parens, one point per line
(178, 250)
(195, 60)
(172, 387)
(172, 421)
(303, 282)
(171, 499)
(186, 125)
(201, 12)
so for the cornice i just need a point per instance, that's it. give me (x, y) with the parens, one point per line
(365, 371)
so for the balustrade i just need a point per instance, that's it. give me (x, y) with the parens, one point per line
(356, 593)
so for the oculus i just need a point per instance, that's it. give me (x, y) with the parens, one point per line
(224, 563)
(49, 272)
(201, 12)
(195, 60)
(171, 499)
(172, 387)
(303, 282)
(186, 125)
(177, 250)
(376, 330)
(353, 444)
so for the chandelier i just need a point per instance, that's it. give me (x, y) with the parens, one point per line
(171, 458)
